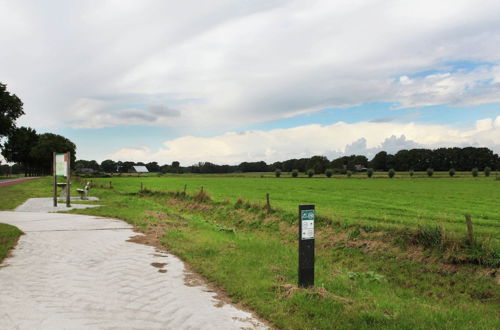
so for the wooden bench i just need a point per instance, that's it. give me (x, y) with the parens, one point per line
(84, 193)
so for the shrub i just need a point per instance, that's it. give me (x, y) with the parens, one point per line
(277, 173)
(487, 171)
(412, 172)
(369, 172)
(391, 173)
(295, 173)
(430, 172)
(329, 173)
(310, 173)
(349, 173)
(474, 172)
(451, 172)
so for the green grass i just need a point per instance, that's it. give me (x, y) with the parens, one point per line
(381, 203)
(8, 237)
(253, 256)
(365, 277)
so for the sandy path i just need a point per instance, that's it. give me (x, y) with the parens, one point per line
(79, 272)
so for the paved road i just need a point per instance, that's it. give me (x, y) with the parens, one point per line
(7, 182)
(79, 272)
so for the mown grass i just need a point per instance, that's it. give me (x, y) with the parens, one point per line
(375, 274)
(359, 283)
(379, 203)
(8, 237)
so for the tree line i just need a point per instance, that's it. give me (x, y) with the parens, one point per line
(441, 159)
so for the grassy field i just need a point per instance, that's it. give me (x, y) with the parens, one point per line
(380, 203)
(8, 237)
(373, 266)
(13, 195)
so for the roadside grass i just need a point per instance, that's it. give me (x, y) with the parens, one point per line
(14, 195)
(8, 238)
(370, 272)
(361, 281)
(381, 203)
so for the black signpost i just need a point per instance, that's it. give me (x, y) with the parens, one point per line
(306, 245)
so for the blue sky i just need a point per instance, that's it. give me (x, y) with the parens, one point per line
(233, 81)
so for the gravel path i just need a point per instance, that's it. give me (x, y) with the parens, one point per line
(79, 272)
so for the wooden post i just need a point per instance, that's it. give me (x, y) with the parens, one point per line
(268, 204)
(110, 185)
(55, 178)
(185, 187)
(470, 233)
(201, 190)
(68, 181)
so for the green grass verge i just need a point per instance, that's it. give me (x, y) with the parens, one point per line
(380, 203)
(362, 279)
(253, 256)
(8, 237)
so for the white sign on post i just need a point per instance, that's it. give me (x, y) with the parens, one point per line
(61, 164)
(307, 218)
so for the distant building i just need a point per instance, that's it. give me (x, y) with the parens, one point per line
(360, 168)
(139, 169)
(85, 170)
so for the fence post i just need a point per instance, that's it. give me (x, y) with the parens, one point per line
(470, 233)
(268, 204)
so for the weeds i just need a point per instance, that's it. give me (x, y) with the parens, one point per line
(202, 196)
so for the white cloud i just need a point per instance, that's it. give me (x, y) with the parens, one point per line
(304, 141)
(223, 63)
(478, 86)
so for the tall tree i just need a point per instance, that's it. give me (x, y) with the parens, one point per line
(47, 144)
(379, 162)
(18, 148)
(11, 108)
(108, 166)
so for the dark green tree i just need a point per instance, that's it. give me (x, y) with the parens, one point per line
(18, 148)
(379, 162)
(11, 108)
(108, 166)
(47, 144)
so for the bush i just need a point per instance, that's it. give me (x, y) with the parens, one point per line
(277, 173)
(430, 172)
(329, 173)
(348, 173)
(412, 172)
(451, 172)
(369, 172)
(391, 173)
(487, 171)
(310, 173)
(295, 173)
(474, 172)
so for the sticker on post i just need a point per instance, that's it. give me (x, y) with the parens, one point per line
(307, 218)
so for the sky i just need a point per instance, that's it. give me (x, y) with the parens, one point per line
(232, 81)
